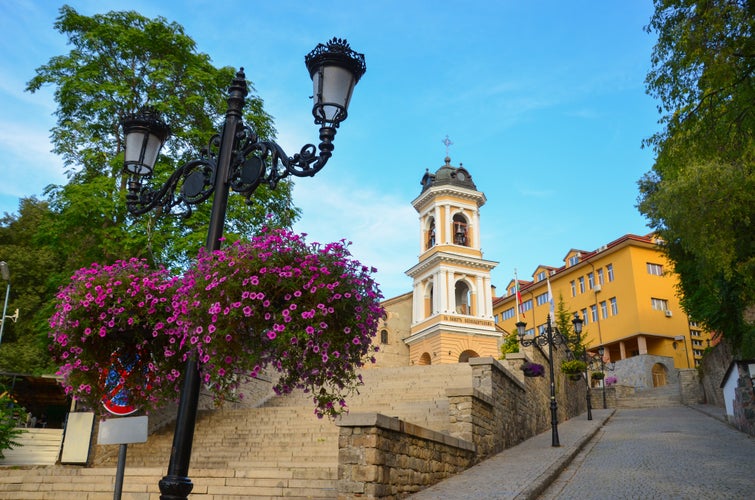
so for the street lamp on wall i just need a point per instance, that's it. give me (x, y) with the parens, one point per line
(582, 352)
(236, 159)
(551, 337)
(600, 363)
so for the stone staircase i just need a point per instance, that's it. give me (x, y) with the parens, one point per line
(278, 450)
(654, 397)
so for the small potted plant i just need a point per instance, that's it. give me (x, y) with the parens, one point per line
(610, 381)
(532, 369)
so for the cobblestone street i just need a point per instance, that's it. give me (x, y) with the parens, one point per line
(661, 453)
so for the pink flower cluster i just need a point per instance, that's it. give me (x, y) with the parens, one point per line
(115, 308)
(308, 311)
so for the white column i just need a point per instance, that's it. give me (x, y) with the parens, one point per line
(481, 298)
(448, 225)
(418, 300)
(450, 290)
(422, 237)
(477, 228)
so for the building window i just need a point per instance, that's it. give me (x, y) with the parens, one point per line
(655, 269)
(581, 284)
(604, 309)
(460, 230)
(526, 305)
(573, 260)
(600, 276)
(542, 299)
(508, 313)
(594, 313)
(383, 336)
(584, 316)
(590, 281)
(659, 304)
(693, 324)
(609, 270)
(540, 276)
(694, 333)
(614, 306)
(697, 343)
(573, 286)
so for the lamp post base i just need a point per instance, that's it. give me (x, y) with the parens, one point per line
(175, 487)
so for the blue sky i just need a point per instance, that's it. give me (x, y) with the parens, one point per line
(544, 102)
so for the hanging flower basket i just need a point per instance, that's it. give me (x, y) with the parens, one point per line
(308, 311)
(111, 337)
(597, 375)
(573, 367)
(532, 369)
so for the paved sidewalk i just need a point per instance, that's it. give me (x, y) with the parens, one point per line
(524, 471)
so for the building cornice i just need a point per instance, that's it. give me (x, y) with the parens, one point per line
(451, 259)
(428, 195)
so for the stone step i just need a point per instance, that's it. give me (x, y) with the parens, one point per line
(142, 483)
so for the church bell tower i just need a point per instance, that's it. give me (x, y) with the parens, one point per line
(452, 303)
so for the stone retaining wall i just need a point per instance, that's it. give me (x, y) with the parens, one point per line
(384, 457)
(387, 458)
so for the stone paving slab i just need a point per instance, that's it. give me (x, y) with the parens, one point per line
(524, 471)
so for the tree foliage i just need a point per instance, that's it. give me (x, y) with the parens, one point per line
(700, 195)
(118, 63)
(36, 268)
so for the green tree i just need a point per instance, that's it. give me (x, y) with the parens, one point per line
(36, 268)
(119, 63)
(565, 326)
(700, 195)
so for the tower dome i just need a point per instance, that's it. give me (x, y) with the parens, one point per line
(448, 175)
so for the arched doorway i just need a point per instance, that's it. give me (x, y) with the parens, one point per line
(425, 359)
(464, 356)
(659, 375)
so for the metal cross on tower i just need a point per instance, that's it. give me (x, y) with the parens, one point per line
(447, 142)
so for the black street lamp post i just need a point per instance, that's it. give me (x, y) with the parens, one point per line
(603, 367)
(549, 336)
(235, 159)
(582, 352)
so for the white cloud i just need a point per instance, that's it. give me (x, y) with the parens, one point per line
(381, 226)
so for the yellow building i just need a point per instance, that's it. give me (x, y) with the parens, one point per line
(626, 293)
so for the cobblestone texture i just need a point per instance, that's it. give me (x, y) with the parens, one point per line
(661, 453)
(657, 453)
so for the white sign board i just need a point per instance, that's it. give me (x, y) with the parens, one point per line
(123, 430)
(78, 436)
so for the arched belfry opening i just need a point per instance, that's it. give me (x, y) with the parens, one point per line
(431, 233)
(460, 228)
(463, 297)
(452, 300)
